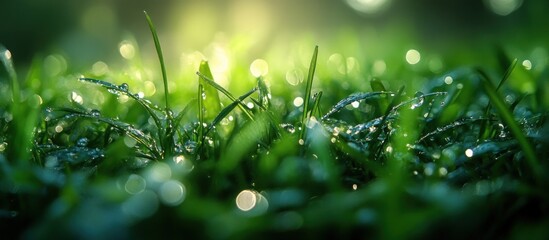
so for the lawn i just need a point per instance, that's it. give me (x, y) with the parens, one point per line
(313, 138)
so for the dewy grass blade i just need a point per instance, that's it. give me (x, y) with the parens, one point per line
(5, 57)
(241, 105)
(308, 88)
(225, 111)
(507, 73)
(507, 117)
(210, 100)
(160, 58)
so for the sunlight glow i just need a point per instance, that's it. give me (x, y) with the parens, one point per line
(413, 56)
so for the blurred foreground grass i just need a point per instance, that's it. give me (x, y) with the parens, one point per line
(412, 145)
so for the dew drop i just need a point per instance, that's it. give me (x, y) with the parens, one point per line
(95, 113)
(124, 87)
(82, 142)
(419, 100)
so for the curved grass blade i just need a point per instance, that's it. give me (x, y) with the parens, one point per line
(377, 86)
(146, 104)
(210, 100)
(453, 125)
(350, 99)
(308, 89)
(139, 136)
(160, 58)
(508, 119)
(228, 109)
(241, 105)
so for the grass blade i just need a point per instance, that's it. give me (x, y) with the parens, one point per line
(210, 100)
(160, 58)
(5, 57)
(515, 129)
(348, 100)
(228, 109)
(241, 105)
(308, 88)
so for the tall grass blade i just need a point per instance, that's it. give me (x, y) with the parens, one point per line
(308, 89)
(5, 57)
(210, 100)
(160, 58)
(515, 129)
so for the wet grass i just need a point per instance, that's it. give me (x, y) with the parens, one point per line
(453, 158)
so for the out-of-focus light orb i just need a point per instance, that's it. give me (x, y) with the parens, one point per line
(55, 64)
(252, 202)
(379, 67)
(469, 153)
(100, 68)
(259, 67)
(503, 7)
(413, 56)
(127, 50)
(448, 80)
(135, 184)
(298, 101)
(294, 77)
(246, 200)
(172, 192)
(527, 64)
(368, 6)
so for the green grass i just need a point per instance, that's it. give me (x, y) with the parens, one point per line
(387, 159)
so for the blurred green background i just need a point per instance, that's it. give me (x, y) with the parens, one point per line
(84, 32)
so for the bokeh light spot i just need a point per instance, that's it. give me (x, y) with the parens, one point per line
(298, 101)
(527, 64)
(259, 67)
(503, 7)
(127, 50)
(413, 56)
(368, 6)
(172, 193)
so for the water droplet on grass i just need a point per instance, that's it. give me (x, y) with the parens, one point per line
(418, 101)
(124, 87)
(82, 142)
(95, 113)
(190, 146)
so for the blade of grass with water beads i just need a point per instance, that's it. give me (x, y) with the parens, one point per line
(307, 99)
